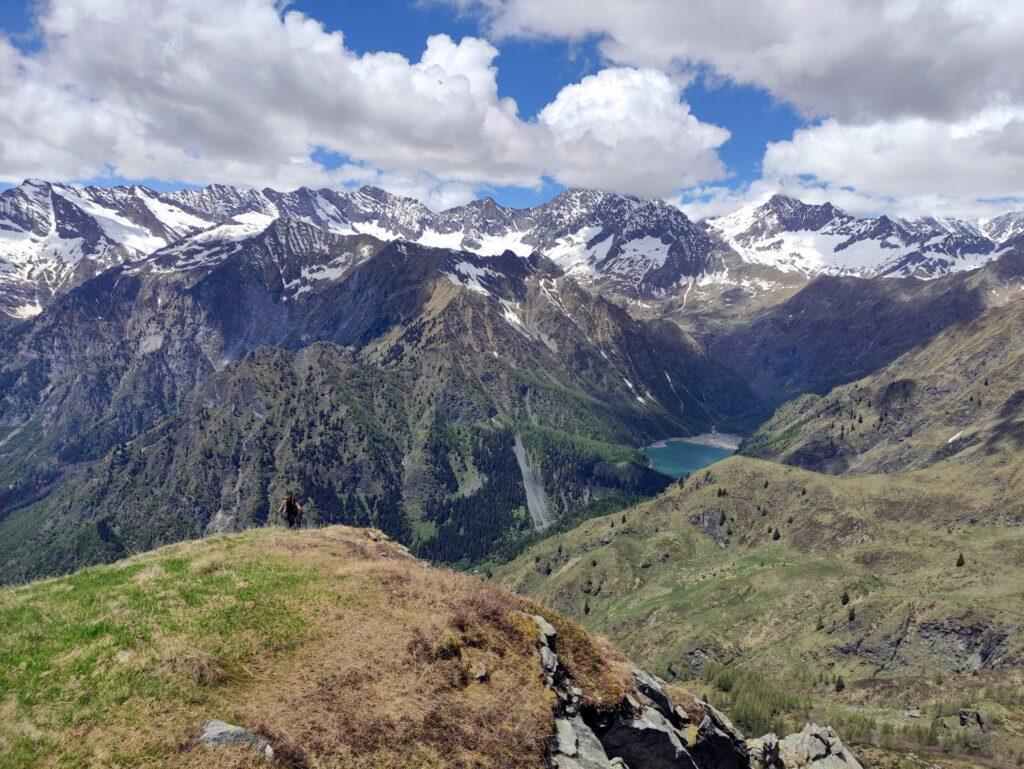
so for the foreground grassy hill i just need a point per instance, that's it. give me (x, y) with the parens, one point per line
(324, 642)
(836, 594)
(333, 648)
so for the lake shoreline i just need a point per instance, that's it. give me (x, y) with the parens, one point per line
(714, 438)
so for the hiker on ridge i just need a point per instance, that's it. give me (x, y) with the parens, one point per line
(291, 509)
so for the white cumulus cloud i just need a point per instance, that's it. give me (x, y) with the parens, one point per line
(238, 91)
(915, 101)
(629, 129)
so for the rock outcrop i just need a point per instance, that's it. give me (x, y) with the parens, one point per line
(648, 730)
(815, 747)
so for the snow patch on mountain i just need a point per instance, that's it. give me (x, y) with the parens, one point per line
(471, 276)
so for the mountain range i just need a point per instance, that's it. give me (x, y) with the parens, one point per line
(54, 236)
(411, 387)
(791, 236)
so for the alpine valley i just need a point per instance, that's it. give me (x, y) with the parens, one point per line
(472, 388)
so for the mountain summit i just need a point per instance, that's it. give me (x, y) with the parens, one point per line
(792, 236)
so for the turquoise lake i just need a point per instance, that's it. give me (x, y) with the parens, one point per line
(679, 456)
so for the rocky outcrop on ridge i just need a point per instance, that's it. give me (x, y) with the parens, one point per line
(648, 730)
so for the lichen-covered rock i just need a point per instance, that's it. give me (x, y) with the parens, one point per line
(577, 747)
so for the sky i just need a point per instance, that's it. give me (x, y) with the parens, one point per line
(910, 107)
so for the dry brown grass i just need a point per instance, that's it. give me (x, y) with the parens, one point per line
(387, 681)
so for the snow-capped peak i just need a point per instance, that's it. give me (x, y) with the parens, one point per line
(788, 235)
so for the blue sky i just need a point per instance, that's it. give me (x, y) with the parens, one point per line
(711, 104)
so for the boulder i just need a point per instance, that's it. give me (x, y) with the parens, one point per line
(971, 718)
(577, 747)
(719, 744)
(548, 634)
(220, 733)
(647, 740)
(479, 672)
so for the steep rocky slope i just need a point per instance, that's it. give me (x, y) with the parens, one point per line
(838, 329)
(335, 648)
(955, 400)
(139, 409)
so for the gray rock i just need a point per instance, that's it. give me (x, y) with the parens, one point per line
(719, 744)
(548, 634)
(217, 734)
(479, 672)
(548, 659)
(577, 746)
(647, 740)
(565, 737)
(682, 718)
(653, 688)
(816, 747)
(764, 752)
